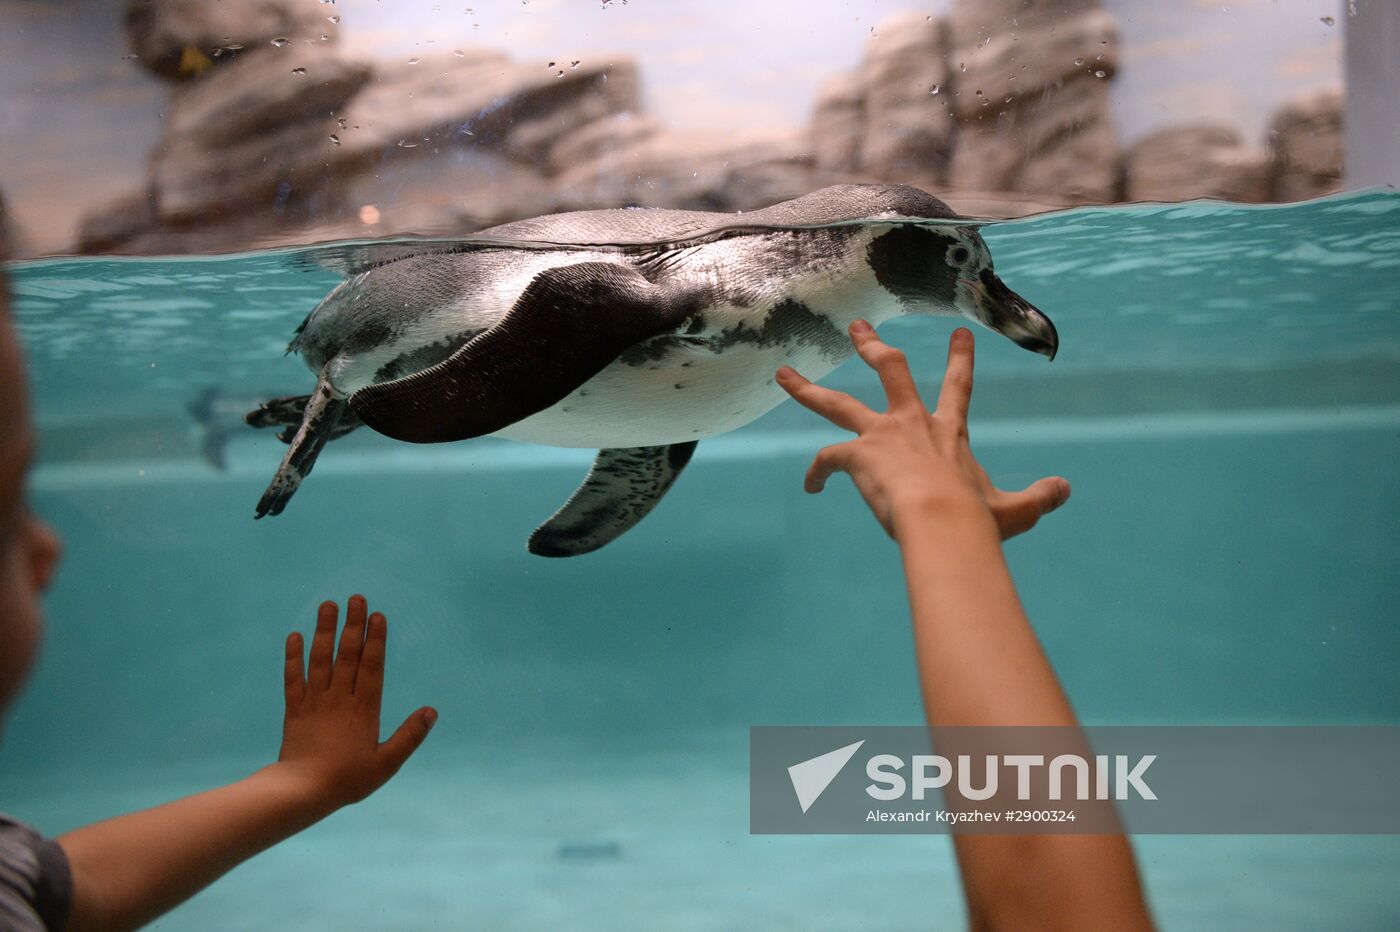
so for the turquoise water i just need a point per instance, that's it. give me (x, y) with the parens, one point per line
(1226, 402)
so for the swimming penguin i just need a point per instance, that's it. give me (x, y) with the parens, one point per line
(636, 331)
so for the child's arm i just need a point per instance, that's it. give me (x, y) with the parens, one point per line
(979, 660)
(128, 870)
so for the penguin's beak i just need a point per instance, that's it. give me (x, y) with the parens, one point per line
(1011, 315)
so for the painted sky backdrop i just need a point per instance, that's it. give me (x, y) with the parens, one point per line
(77, 118)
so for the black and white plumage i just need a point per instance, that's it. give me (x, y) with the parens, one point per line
(635, 331)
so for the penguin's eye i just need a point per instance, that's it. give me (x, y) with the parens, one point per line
(959, 255)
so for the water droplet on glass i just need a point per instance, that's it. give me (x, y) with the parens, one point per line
(551, 65)
(1329, 21)
(1078, 62)
(1100, 74)
(459, 53)
(935, 89)
(130, 56)
(560, 74)
(573, 64)
(405, 144)
(334, 20)
(340, 122)
(873, 32)
(281, 42)
(335, 139)
(962, 66)
(414, 60)
(979, 93)
(298, 71)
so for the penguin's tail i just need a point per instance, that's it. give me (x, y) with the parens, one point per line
(319, 420)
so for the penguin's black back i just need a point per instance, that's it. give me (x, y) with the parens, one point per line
(841, 203)
(652, 227)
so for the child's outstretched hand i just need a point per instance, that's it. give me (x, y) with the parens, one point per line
(331, 732)
(908, 458)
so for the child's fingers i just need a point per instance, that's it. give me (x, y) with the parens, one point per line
(1019, 511)
(352, 641)
(889, 364)
(369, 682)
(407, 739)
(293, 678)
(837, 407)
(828, 460)
(318, 671)
(957, 380)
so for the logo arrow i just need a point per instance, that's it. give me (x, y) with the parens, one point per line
(811, 777)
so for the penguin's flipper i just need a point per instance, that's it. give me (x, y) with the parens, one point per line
(621, 489)
(567, 325)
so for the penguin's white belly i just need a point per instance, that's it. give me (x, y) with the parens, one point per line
(690, 393)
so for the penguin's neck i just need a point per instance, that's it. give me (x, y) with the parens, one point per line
(849, 291)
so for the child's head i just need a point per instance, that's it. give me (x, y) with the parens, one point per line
(28, 549)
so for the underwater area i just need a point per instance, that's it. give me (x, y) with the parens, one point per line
(1225, 402)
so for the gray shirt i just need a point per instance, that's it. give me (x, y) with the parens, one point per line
(36, 884)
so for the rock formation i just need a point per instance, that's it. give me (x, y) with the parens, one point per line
(1305, 141)
(907, 128)
(1031, 84)
(272, 135)
(181, 39)
(1186, 162)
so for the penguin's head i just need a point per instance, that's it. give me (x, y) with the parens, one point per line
(947, 269)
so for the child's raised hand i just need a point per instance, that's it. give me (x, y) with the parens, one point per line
(330, 734)
(907, 457)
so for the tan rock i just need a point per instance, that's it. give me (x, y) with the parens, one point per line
(1031, 81)
(182, 39)
(1305, 144)
(693, 171)
(487, 102)
(1186, 162)
(907, 128)
(838, 124)
(252, 127)
(604, 140)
